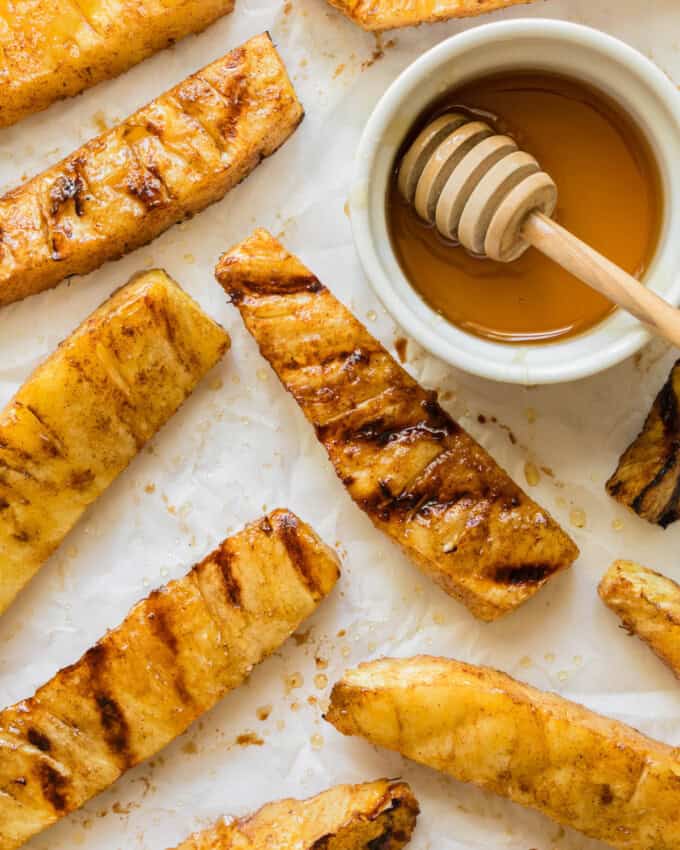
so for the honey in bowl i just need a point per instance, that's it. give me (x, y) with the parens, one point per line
(609, 195)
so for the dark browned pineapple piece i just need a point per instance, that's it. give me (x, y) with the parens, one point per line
(417, 474)
(647, 479)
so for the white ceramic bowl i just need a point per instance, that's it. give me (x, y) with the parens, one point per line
(565, 48)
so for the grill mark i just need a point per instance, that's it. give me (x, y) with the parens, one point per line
(358, 356)
(376, 432)
(408, 504)
(195, 577)
(118, 381)
(273, 285)
(196, 91)
(386, 817)
(333, 423)
(233, 95)
(22, 454)
(614, 485)
(18, 534)
(158, 132)
(413, 498)
(237, 57)
(22, 474)
(230, 126)
(39, 740)
(53, 785)
(147, 190)
(523, 573)
(57, 231)
(437, 425)
(288, 529)
(152, 168)
(232, 588)
(193, 119)
(668, 413)
(76, 5)
(81, 480)
(115, 728)
(48, 236)
(351, 357)
(162, 630)
(439, 418)
(668, 404)
(51, 438)
(235, 103)
(670, 514)
(163, 320)
(78, 163)
(64, 189)
(637, 503)
(144, 184)
(382, 840)
(606, 795)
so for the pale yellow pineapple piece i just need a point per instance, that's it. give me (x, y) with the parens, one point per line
(648, 604)
(583, 770)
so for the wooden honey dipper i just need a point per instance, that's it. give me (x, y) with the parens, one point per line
(480, 190)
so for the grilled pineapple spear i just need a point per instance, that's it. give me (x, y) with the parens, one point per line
(387, 14)
(89, 408)
(480, 726)
(169, 160)
(174, 656)
(50, 49)
(373, 816)
(416, 473)
(648, 605)
(647, 479)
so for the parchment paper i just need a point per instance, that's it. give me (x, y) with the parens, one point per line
(240, 445)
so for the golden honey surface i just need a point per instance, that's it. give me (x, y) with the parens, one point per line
(610, 195)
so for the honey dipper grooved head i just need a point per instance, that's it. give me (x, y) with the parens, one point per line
(475, 186)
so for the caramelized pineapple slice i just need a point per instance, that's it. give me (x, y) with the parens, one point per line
(388, 14)
(50, 49)
(169, 160)
(84, 414)
(175, 655)
(647, 479)
(416, 473)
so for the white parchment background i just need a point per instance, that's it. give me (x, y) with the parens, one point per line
(241, 444)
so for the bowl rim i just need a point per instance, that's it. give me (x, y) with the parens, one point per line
(615, 348)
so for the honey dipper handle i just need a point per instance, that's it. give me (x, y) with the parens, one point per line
(602, 275)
